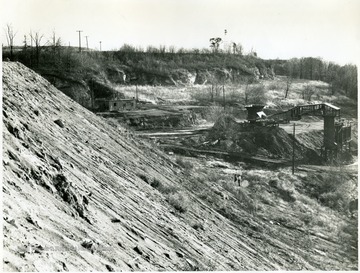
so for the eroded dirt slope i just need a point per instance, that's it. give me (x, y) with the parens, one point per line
(80, 194)
(71, 184)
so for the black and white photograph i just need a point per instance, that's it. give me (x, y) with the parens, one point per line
(179, 135)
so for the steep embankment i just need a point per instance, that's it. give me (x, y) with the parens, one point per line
(80, 194)
(71, 183)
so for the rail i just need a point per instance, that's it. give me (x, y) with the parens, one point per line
(228, 155)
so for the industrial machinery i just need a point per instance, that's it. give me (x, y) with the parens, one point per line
(337, 131)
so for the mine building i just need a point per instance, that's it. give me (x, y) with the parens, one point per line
(115, 104)
(337, 131)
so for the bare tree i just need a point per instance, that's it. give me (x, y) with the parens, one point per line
(215, 43)
(172, 49)
(25, 42)
(288, 85)
(246, 92)
(307, 92)
(238, 49)
(36, 38)
(255, 94)
(10, 35)
(55, 42)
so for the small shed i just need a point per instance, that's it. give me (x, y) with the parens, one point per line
(115, 104)
(122, 104)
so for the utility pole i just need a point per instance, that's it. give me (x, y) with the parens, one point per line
(92, 94)
(293, 155)
(100, 45)
(87, 45)
(79, 39)
(224, 96)
(136, 93)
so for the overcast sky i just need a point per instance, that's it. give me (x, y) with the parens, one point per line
(274, 28)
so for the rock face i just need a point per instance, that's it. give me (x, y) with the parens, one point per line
(88, 195)
(100, 81)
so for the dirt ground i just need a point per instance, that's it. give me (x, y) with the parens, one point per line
(303, 126)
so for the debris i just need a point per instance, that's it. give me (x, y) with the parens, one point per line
(64, 266)
(31, 219)
(13, 155)
(90, 245)
(109, 268)
(38, 248)
(55, 162)
(59, 123)
(138, 250)
(85, 200)
(11, 221)
(15, 130)
(70, 195)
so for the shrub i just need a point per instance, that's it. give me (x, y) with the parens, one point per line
(332, 189)
(179, 201)
(184, 164)
(255, 94)
(163, 188)
(198, 226)
(334, 200)
(275, 86)
(143, 177)
(308, 92)
(307, 218)
(155, 183)
(213, 113)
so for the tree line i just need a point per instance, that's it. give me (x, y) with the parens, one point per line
(340, 78)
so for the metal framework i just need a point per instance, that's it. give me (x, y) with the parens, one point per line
(295, 113)
(337, 134)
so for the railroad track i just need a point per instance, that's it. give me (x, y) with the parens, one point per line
(231, 156)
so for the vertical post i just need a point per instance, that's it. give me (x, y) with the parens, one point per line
(224, 96)
(79, 39)
(87, 44)
(92, 94)
(100, 45)
(293, 154)
(136, 93)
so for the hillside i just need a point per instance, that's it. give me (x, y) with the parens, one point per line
(87, 74)
(81, 194)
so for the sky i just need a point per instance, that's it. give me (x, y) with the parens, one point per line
(282, 29)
